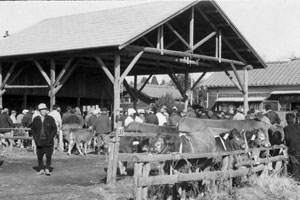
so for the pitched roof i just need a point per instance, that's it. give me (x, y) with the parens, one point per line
(103, 28)
(277, 73)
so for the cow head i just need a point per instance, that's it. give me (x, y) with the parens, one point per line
(163, 144)
(258, 138)
(236, 140)
(276, 134)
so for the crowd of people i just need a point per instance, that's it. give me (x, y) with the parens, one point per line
(101, 121)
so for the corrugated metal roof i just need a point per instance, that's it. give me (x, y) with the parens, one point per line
(277, 73)
(104, 28)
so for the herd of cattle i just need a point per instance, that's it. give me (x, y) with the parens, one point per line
(192, 135)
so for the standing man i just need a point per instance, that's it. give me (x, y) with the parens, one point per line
(292, 138)
(151, 118)
(43, 130)
(272, 115)
(103, 129)
(174, 118)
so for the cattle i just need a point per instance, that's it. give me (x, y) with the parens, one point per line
(139, 144)
(192, 124)
(78, 136)
(66, 130)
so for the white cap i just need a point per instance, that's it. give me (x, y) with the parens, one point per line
(42, 106)
(131, 111)
(25, 111)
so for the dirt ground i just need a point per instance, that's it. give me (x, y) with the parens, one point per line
(73, 177)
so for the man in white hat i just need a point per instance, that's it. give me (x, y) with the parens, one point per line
(162, 119)
(43, 130)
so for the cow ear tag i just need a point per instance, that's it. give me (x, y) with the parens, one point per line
(226, 136)
(253, 137)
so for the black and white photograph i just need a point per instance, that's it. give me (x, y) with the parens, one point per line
(153, 99)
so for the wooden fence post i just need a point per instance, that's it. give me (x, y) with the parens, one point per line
(60, 140)
(138, 169)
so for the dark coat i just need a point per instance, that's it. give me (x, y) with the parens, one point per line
(151, 119)
(173, 120)
(292, 138)
(50, 130)
(5, 122)
(103, 125)
(273, 116)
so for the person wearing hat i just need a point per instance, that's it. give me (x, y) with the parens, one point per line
(6, 122)
(162, 119)
(239, 115)
(21, 115)
(174, 118)
(13, 116)
(272, 115)
(292, 139)
(44, 129)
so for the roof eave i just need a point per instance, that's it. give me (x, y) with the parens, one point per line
(221, 12)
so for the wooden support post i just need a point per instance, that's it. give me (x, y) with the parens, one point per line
(186, 89)
(146, 171)
(192, 21)
(138, 169)
(114, 146)
(1, 98)
(135, 89)
(246, 104)
(52, 81)
(198, 80)
(220, 47)
(144, 84)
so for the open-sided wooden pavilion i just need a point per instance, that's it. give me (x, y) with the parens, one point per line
(89, 55)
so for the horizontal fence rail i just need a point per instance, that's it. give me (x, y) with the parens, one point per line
(142, 157)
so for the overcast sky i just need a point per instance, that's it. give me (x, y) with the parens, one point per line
(272, 27)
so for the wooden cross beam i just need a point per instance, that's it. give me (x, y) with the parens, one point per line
(147, 80)
(179, 36)
(204, 40)
(8, 75)
(105, 69)
(181, 54)
(175, 80)
(63, 71)
(233, 81)
(131, 65)
(238, 78)
(148, 42)
(42, 72)
(198, 80)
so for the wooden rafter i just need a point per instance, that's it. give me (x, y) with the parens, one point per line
(131, 65)
(179, 36)
(46, 77)
(105, 69)
(148, 42)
